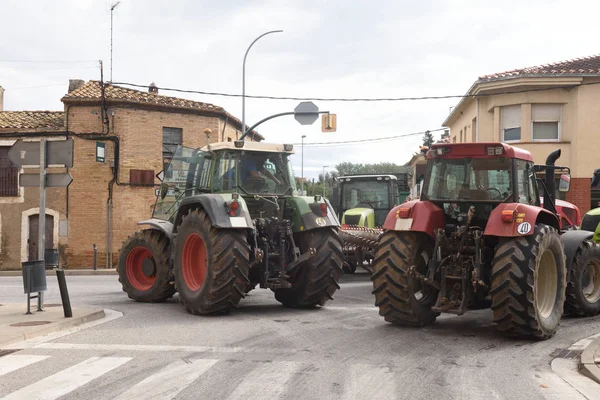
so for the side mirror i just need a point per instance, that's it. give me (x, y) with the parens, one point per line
(164, 188)
(564, 183)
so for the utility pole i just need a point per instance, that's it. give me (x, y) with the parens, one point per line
(324, 166)
(302, 168)
(112, 8)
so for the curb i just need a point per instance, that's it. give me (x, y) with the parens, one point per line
(58, 326)
(68, 272)
(587, 363)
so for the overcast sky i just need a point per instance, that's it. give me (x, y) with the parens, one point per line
(334, 48)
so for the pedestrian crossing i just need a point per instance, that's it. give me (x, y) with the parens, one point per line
(119, 375)
(258, 379)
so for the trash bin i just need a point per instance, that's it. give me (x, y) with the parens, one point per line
(51, 258)
(34, 276)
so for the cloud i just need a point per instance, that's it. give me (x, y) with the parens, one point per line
(328, 49)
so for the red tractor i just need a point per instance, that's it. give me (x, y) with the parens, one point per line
(479, 238)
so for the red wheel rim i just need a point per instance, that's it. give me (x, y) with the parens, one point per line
(133, 268)
(193, 262)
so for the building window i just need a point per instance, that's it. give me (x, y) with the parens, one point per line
(172, 137)
(511, 123)
(9, 175)
(545, 122)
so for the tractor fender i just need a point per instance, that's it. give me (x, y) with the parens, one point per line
(164, 226)
(424, 216)
(523, 223)
(571, 240)
(215, 206)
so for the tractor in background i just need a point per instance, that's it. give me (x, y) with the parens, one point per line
(226, 220)
(479, 238)
(362, 203)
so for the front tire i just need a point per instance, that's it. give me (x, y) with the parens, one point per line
(528, 284)
(143, 267)
(210, 265)
(317, 279)
(402, 299)
(583, 290)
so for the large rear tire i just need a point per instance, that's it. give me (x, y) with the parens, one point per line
(528, 284)
(402, 299)
(583, 289)
(210, 265)
(317, 279)
(143, 267)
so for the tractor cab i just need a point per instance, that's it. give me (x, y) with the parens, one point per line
(470, 180)
(247, 169)
(365, 200)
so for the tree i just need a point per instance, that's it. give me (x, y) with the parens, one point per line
(348, 168)
(428, 139)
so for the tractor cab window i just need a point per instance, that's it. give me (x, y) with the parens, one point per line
(185, 175)
(469, 179)
(369, 194)
(253, 172)
(526, 183)
(224, 172)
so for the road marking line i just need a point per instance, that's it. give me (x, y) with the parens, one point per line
(169, 381)
(370, 382)
(142, 347)
(13, 362)
(265, 382)
(69, 379)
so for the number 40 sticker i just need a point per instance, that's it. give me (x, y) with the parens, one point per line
(524, 228)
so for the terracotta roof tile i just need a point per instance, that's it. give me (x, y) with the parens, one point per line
(579, 66)
(92, 91)
(34, 120)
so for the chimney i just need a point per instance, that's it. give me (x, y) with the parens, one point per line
(153, 88)
(1, 98)
(75, 84)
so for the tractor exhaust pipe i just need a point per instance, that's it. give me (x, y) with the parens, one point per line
(550, 194)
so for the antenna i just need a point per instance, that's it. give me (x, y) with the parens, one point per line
(112, 7)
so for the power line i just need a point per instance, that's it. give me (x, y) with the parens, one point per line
(346, 142)
(48, 61)
(347, 99)
(35, 87)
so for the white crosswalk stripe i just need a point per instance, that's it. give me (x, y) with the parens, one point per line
(69, 379)
(370, 382)
(169, 381)
(272, 376)
(13, 362)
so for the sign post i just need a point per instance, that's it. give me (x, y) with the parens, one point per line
(41, 154)
(42, 215)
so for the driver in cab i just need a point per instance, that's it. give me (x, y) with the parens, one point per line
(253, 169)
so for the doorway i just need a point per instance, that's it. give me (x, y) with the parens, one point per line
(33, 240)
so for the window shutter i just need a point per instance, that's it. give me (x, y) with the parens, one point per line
(141, 177)
(545, 112)
(511, 117)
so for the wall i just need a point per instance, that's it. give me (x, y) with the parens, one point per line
(140, 134)
(14, 212)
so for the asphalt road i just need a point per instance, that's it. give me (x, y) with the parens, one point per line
(262, 350)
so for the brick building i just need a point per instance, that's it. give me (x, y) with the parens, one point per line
(122, 138)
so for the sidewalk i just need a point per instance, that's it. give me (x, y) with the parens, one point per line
(589, 364)
(15, 326)
(71, 272)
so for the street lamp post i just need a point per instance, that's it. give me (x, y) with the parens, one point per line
(244, 80)
(324, 166)
(302, 168)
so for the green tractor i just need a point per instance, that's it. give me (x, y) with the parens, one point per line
(227, 219)
(362, 203)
